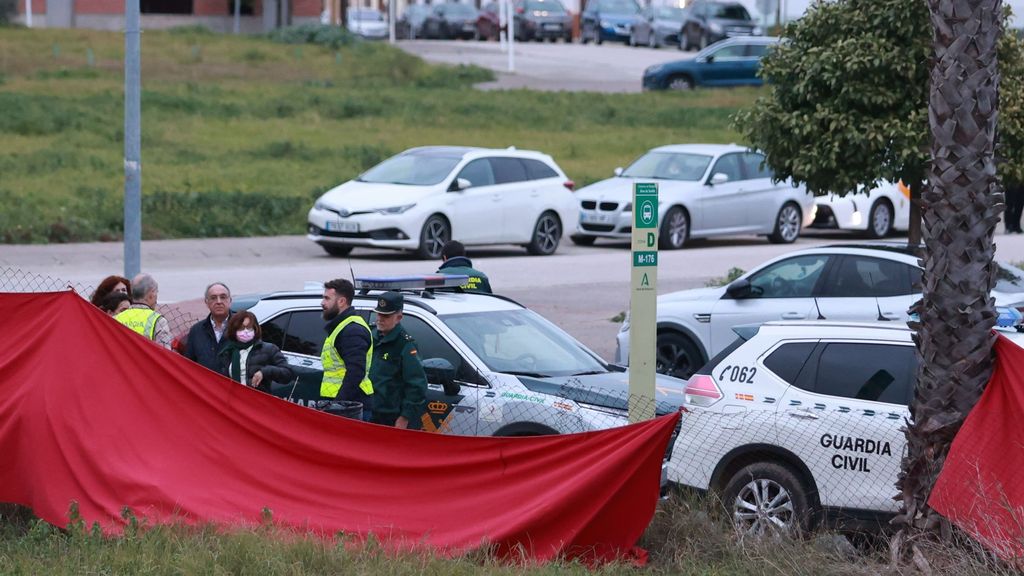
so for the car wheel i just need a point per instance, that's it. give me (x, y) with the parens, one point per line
(336, 250)
(880, 219)
(632, 41)
(433, 237)
(580, 240)
(568, 38)
(674, 230)
(547, 233)
(680, 82)
(787, 224)
(765, 499)
(676, 355)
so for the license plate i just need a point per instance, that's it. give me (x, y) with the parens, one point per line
(593, 218)
(552, 26)
(339, 226)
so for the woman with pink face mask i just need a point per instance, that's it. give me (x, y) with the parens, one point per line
(247, 359)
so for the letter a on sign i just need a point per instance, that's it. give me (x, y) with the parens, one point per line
(643, 301)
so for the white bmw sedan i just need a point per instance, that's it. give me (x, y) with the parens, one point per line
(703, 190)
(424, 197)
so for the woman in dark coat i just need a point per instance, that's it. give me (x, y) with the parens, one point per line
(247, 359)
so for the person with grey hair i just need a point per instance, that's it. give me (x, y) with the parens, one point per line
(142, 316)
(206, 338)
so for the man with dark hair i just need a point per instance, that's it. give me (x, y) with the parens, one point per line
(206, 337)
(456, 264)
(348, 350)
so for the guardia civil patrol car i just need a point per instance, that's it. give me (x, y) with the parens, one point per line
(800, 422)
(493, 366)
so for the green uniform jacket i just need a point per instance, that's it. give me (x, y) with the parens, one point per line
(399, 383)
(460, 265)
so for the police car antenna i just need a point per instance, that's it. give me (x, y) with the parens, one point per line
(871, 278)
(820, 317)
(351, 271)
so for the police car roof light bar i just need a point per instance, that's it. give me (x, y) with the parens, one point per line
(414, 282)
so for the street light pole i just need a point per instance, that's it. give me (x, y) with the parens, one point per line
(132, 142)
(510, 14)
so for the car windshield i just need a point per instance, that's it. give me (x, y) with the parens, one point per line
(619, 6)
(411, 170)
(544, 6)
(456, 9)
(729, 12)
(1009, 278)
(670, 13)
(371, 15)
(522, 342)
(669, 166)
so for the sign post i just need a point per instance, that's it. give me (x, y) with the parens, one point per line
(643, 302)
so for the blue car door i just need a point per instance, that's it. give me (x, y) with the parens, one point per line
(729, 66)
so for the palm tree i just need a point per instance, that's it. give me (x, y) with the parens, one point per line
(961, 204)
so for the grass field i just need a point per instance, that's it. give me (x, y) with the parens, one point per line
(241, 133)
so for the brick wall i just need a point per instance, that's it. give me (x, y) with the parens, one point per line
(309, 8)
(210, 7)
(38, 6)
(99, 6)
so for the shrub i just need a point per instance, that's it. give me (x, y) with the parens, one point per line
(319, 34)
(8, 9)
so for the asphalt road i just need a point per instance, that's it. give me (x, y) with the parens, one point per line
(610, 67)
(580, 289)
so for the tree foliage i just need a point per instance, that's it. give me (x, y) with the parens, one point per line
(847, 104)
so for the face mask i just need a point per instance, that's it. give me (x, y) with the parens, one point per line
(245, 336)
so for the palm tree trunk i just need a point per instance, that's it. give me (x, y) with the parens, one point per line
(961, 208)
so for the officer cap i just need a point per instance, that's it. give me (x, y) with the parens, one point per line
(389, 303)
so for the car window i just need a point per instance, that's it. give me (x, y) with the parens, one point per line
(731, 52)
(670, 13)
(915, 280)
(430, 344)
(411, 169)
(787, 360)
(790, 278)
(729, 12)
(478, 172)
(866, 277)
(757, 50)
(507, 170)
(459, 9)
(537, 170)
(619, 6)
(1009, 278)
(439, 10)
(755, 167)
(861, 371)
(544, 5)
(729, 165)
(273, 330)
(669, 166)
(305, 333)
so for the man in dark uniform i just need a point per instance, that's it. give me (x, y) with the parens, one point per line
(456, 264)
(399, 383)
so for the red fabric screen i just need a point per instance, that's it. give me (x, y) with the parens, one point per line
(980, 487)
(91, 412)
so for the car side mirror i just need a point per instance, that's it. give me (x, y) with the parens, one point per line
(709, 58)
(719, 178)
(618, 171)
(441, 371)
(459, 184)
(739, 289)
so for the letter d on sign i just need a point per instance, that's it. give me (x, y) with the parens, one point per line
(650, 239)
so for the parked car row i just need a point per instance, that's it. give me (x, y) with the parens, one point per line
(423, 197)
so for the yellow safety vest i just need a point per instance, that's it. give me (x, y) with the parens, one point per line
(140, 320)
(334, 366)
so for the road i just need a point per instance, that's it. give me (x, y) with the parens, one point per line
(580, 289)
(611, 67)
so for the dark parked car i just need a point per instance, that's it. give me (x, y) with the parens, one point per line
(410, 25)
(488, 22)
(658, 26)
(608, 20)
(450, 20)
(708, 21)
(732, 62)
(540, 19)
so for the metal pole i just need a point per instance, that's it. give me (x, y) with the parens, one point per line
(510, 13)
(238, 16)
(132, 142)
(392, 13)
(28, 13)
(502, 24)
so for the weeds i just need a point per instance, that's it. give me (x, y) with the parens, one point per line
(731, 275)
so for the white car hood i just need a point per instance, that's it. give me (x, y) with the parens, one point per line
(359, 196)
(692, 295)
(619, 189)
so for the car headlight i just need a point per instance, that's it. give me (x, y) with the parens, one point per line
(318, 205)
(606, 24)
(758, 31)
(395, 209)
(716, 27)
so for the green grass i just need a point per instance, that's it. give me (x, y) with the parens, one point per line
(240, 134)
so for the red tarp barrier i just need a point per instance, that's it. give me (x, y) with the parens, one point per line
(91, 412)
(981, 486)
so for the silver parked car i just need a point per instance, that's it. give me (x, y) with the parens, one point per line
(658, 26)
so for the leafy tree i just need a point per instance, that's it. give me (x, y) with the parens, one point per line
(847, 104)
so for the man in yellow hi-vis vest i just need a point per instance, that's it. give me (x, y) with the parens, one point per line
(348, 350)
(142, 316)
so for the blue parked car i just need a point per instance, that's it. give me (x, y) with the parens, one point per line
(731, 62)
(608, 20)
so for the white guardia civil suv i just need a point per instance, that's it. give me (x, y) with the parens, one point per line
(423, 197)
(703, 190)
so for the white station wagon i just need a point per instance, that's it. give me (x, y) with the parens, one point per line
(703, 190)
